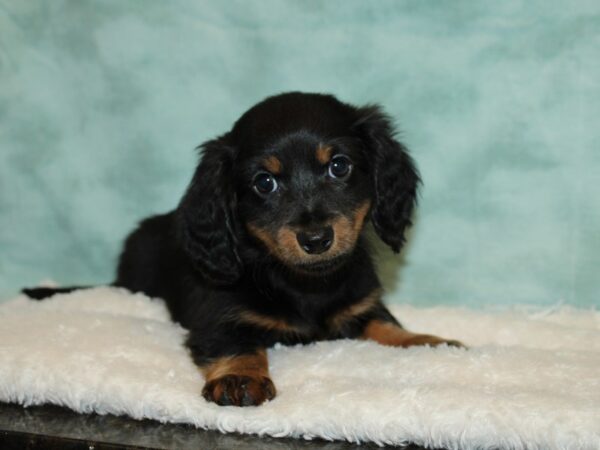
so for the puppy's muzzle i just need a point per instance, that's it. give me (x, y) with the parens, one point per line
(315, 242)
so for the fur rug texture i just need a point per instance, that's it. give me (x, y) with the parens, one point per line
(530, 380)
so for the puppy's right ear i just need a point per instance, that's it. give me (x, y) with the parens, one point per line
(206, 215)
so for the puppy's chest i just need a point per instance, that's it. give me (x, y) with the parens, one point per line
(308, 318)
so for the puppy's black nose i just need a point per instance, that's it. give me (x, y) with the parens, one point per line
(316, 241)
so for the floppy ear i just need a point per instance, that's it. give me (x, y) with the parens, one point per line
(206, 215)
(394, 176)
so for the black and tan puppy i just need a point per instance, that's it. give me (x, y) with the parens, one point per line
(266, 245)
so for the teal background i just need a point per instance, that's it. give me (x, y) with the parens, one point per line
(102, 104)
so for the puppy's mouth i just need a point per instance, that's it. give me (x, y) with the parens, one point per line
(321, 266)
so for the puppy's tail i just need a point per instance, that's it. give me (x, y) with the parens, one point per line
(40, 293)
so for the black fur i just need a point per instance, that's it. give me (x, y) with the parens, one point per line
(203, 259)
(206, 216)
(394, 175)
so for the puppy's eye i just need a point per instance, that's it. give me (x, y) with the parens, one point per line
(264, 183)
(340, 167)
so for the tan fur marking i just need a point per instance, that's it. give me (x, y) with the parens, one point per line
(351, 312)
(346, 231)
(323, 153)
(270, 323)
(387, 333)
(267, 238)
(284, 244)
(255, 366)
(289, 243)
(273, 165)
(359, 216)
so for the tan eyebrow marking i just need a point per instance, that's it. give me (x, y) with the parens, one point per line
(323, 153)
(273, 165)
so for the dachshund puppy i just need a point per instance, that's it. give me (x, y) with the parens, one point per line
(267, 243)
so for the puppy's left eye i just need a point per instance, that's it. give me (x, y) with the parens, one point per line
(340, 167)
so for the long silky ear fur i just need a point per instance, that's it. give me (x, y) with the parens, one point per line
(394, 176)
(206, 215)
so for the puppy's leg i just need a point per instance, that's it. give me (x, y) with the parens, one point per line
(383, 328)
(390, 333)
(240, 380)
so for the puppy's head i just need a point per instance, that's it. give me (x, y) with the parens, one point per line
(297, 176)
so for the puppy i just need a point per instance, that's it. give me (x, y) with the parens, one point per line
(267, 243)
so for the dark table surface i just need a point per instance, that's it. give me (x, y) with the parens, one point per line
(53, 427)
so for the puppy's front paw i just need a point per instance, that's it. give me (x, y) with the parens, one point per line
(239, 390)
(434, 341)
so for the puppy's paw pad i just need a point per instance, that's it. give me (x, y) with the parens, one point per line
(239, 390)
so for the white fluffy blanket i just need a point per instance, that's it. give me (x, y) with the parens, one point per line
(529, 381)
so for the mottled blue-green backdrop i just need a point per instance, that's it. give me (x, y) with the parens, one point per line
(102, 104)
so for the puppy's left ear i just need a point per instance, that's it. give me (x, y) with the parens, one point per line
(394, 176)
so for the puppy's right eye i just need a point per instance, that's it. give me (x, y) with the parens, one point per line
(264, 183)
